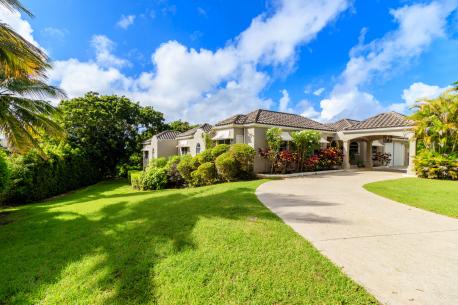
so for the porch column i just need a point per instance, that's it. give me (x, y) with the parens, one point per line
(368, 159)
(346, 154)
(412, 153)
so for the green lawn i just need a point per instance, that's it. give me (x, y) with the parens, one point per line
(437, 196)
(108, 244)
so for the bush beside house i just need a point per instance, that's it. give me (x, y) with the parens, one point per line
(436, 130)
(218, 164)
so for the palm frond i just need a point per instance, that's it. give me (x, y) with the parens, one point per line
(15, 5)
(19, 57)
(31, 88)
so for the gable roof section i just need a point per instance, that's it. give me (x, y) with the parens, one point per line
(383, 120)
(205, 127)
(342, 124)
(167, 135)
(268, 117)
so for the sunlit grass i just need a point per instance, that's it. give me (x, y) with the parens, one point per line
(439, 196)
(108, 244)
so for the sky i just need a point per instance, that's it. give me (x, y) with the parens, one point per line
(202, 61)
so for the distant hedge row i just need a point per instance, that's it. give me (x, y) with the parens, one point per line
(30, 177)
(220, 163)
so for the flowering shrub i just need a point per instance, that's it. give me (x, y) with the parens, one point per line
(436, 166)
(282, 162)
(311, 163)
(382, 158)
(330, 158)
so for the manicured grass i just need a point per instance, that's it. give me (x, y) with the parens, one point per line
(108, 244)
(437, 196)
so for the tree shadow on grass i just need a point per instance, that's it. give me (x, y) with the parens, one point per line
(108, 253)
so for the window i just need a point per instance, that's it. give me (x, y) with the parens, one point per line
(184, 150)
(225, 141)
(354, 150)
(198, 148)
(283, 145)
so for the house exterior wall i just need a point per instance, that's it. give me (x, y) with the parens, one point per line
(166, 148)
(197, 138)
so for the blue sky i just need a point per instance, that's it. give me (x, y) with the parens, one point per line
(204, 60)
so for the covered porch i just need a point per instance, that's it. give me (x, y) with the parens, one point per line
(386, 133)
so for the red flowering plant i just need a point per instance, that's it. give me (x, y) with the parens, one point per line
(311, 163)
(330, 157)
(282, 161)
(286, 160)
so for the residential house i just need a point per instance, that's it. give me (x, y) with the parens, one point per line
(169, 143)
(389, 132)
(251, 129)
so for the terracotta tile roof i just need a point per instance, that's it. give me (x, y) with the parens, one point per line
(167, 135)
(383, 120)
(205, 127)
(342, 124)
(268, 117)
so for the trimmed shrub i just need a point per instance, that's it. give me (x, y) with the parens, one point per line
(135, 178)
(173, 175)
(226, 166)
(244, 155)
(205, 156)
(33, 178)
(132, 172)
(436, 166)
(158, 162)
(186, 166)
(219, 149)
(154, 178)
(4, 171)
(204, 175)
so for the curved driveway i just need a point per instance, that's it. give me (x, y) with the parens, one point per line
(402, 255)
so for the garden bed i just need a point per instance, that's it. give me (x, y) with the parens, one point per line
(292, 175)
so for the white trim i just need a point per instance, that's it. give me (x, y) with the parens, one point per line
(285, 136)
(403, 128)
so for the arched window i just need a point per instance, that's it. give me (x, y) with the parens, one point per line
(198, 148)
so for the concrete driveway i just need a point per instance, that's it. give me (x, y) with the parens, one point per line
(402, 255)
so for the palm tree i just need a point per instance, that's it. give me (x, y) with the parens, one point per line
(436, 122)
(23, 69)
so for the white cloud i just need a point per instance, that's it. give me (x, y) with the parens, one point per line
(103, 47)
(55, 32)
(202, 85)
(273, 39)
(415, 92)
(419, 25)
(284, 101)
(126, 21)
(21, 26)
(318, 92)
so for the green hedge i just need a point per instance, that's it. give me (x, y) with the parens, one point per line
(436, 166)
(4, 171)
(33, 178)
(221, 163)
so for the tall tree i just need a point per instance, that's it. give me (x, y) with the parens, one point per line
(22, 79)
(180, 126)
(106, 128)
(436, 122)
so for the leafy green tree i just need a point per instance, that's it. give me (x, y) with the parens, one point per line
(180, 126)
(106, 128)
(273, 139)
(436, 122)
(306, 142)
(23, 77)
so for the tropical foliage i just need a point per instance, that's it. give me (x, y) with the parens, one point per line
(303, 153)
(306, 142)
(23, 67)
(107, 128)
(222, 163)
(436, 130)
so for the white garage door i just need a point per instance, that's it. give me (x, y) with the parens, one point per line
(397, 151)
